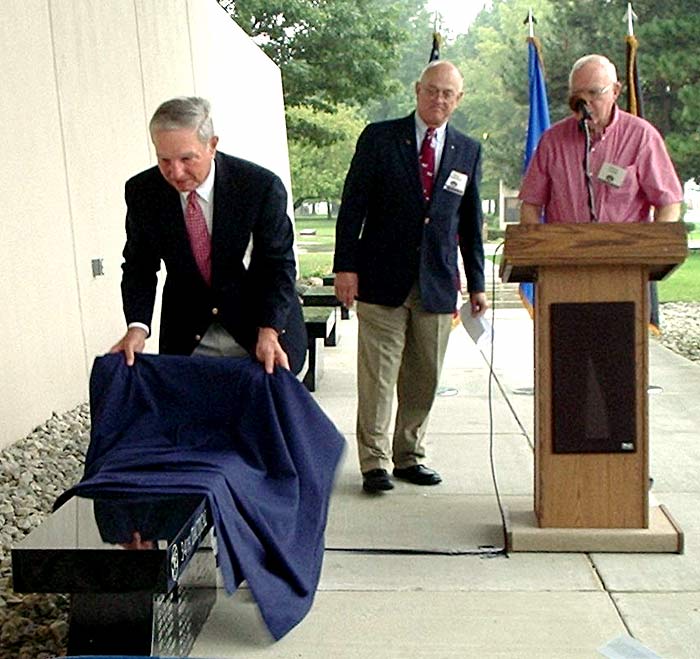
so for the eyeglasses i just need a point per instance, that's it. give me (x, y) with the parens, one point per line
(434, 92)
(591, 94)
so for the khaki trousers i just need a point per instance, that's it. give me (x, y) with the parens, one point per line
(399, 348)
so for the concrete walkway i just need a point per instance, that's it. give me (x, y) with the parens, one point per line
(439, 586)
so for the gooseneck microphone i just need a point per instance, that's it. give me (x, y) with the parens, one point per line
(578, 105)
(581, 106)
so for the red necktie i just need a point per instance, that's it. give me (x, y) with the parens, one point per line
(199, 235)
(427, 163)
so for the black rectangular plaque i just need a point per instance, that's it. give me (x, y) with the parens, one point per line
(593, 377)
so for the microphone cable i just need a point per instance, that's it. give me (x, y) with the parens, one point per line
(580, 106)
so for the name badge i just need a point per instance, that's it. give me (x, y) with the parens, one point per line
(456, 182)
(612, 174)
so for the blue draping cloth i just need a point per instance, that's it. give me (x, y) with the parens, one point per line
(257, 445)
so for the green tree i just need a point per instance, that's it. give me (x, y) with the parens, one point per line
(337, 57)
(493, 59)
(318, 172)
(329, 51)
(414, 52)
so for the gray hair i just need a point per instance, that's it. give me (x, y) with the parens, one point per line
(184, 112)
(594, 59)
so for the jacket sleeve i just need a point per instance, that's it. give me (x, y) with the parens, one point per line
(470, 230)
(354, 204)
(141, 260)
(272, 265)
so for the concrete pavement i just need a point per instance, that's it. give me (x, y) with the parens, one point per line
(417, 572)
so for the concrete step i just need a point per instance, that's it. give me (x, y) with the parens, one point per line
(505, 296)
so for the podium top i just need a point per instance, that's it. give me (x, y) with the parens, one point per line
(660, 246)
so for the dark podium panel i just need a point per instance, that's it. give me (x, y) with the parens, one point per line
(141, 571)
(593, 377)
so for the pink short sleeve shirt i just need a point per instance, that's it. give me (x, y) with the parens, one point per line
(630, 147)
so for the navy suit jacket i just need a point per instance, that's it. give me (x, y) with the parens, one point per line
(249, 201)
(388, 235)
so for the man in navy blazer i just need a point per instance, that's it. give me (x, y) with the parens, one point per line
(244, 301)
(396, 254)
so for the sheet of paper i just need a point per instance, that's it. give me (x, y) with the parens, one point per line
(479, 329)
(626, 647)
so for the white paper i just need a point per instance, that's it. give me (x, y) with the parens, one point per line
(626, 647)
(479, 329)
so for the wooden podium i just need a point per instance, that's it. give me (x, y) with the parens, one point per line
(591, 361)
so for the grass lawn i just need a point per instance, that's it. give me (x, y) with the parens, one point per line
(315, 251)
(683, 284)
(316, 260)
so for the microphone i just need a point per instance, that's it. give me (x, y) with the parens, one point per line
(577, 104)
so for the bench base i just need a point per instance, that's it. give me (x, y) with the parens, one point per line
(143, 623)
(320, 328)
(130, 594)
(315, 370)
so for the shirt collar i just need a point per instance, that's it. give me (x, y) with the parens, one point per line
(422, 127)
(613, 121)
(206, 190)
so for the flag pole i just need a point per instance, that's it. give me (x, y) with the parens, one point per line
(538, 122)
(635, 106)
(631, 17)
(437, 39)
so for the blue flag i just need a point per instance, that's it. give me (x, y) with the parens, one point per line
(538, 122)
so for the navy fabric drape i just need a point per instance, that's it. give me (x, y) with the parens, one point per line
(257, 445)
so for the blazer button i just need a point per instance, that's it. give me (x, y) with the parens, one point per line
(197, 337)
(426, 220)
(214, 311)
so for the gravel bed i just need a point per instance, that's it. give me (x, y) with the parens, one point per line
(36, 469)
(33, 472)
(680, 322)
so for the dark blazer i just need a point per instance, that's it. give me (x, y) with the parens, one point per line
(388, 235)
(249, 201)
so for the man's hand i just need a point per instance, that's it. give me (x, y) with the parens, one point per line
(530, 213)
(479, 304)
(132, 342)
(346, 287)
(669, 213)
(268, 350)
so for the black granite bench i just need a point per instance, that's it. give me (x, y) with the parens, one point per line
(320, 324)
(324, 296)
(329, 280)
(141, 572)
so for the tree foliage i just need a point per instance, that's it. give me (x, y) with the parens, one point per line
(413, 55)
(345, 62)
(337, 58)
(318, 172)
(493, 59)
(329, 51)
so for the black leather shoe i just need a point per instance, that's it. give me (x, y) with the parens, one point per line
(376, 480)
(418, 475)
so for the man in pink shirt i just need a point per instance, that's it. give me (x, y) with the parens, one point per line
(630, 170)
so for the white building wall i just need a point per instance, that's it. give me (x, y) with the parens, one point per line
(80, 82)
